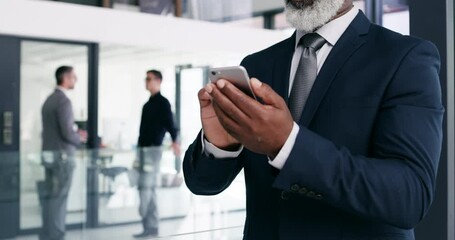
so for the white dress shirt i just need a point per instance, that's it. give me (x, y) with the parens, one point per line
(331, 32)
(64, 90)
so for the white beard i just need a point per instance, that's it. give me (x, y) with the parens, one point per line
(308, 19)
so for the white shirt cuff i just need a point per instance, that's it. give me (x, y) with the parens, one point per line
(208, 148)
(285, 151)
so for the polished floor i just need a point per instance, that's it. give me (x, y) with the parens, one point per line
(125, 232)
(183, 215)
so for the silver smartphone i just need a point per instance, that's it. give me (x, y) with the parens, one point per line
(236, 75)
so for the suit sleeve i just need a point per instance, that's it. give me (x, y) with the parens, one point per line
(66, 123)
(207, 175)
(395, 184)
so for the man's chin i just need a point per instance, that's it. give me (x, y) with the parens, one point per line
(308, 19)
(299, 4)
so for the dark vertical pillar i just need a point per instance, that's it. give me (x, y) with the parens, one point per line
(178, 5)
(429, 21)
(178, 95)
(378, 11)
(269, 20)
(369, 9)
(451, 116)
(374, 10)
(93, 140)
(9, 136)
(178, 109)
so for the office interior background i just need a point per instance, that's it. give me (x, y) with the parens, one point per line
(111, 44)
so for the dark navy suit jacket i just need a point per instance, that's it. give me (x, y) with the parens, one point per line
(365, 159)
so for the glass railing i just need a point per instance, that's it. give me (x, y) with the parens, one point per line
(103, 191)
(204, 10)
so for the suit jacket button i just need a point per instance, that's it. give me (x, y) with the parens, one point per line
(295, 188)
(285, 195)
(318, 197)
(303, 190)
(311, 194)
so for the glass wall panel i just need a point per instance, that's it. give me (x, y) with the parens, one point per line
(396, 16)
(39, 61)
(219, 10)
(180, 212)
(192, 80)
(122, 94)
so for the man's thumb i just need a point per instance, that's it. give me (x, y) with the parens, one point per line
(265, 92)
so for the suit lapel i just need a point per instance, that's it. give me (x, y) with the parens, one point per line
(282, 68)
(350, 41)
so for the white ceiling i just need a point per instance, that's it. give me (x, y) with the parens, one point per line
(81, 23)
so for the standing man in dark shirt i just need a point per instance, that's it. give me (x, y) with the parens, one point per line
(157, 119)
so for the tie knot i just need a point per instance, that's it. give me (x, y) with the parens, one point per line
(312, 40)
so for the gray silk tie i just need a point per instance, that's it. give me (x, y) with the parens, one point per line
(306, 74)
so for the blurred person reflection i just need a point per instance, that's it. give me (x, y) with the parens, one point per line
(60, 140)
(156, 120)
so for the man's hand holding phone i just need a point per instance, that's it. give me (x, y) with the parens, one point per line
(213, 130)
(262, 128)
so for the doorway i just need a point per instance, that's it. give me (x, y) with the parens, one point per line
(27, 77)
(39, 61)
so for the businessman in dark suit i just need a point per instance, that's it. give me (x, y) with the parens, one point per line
(60, 141)
(345, 140)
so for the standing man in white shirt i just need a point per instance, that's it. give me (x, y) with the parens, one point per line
(345, 140)
(60, 141)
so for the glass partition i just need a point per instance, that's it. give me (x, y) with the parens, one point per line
(396, 16)
(121, 177)
(121, 181)
(121, 97)
(191, 81)
(101, 193)
(39, 61)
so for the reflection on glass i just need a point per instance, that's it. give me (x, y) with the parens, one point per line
(234, 233)
(180, 212)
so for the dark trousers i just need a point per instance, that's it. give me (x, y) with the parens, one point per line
(149, 173)
(54, 195)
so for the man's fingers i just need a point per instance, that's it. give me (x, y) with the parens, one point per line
(204, 97)
(229, 124)
(228, 107)
(245, 103)
(203, 94)
(266, 93)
